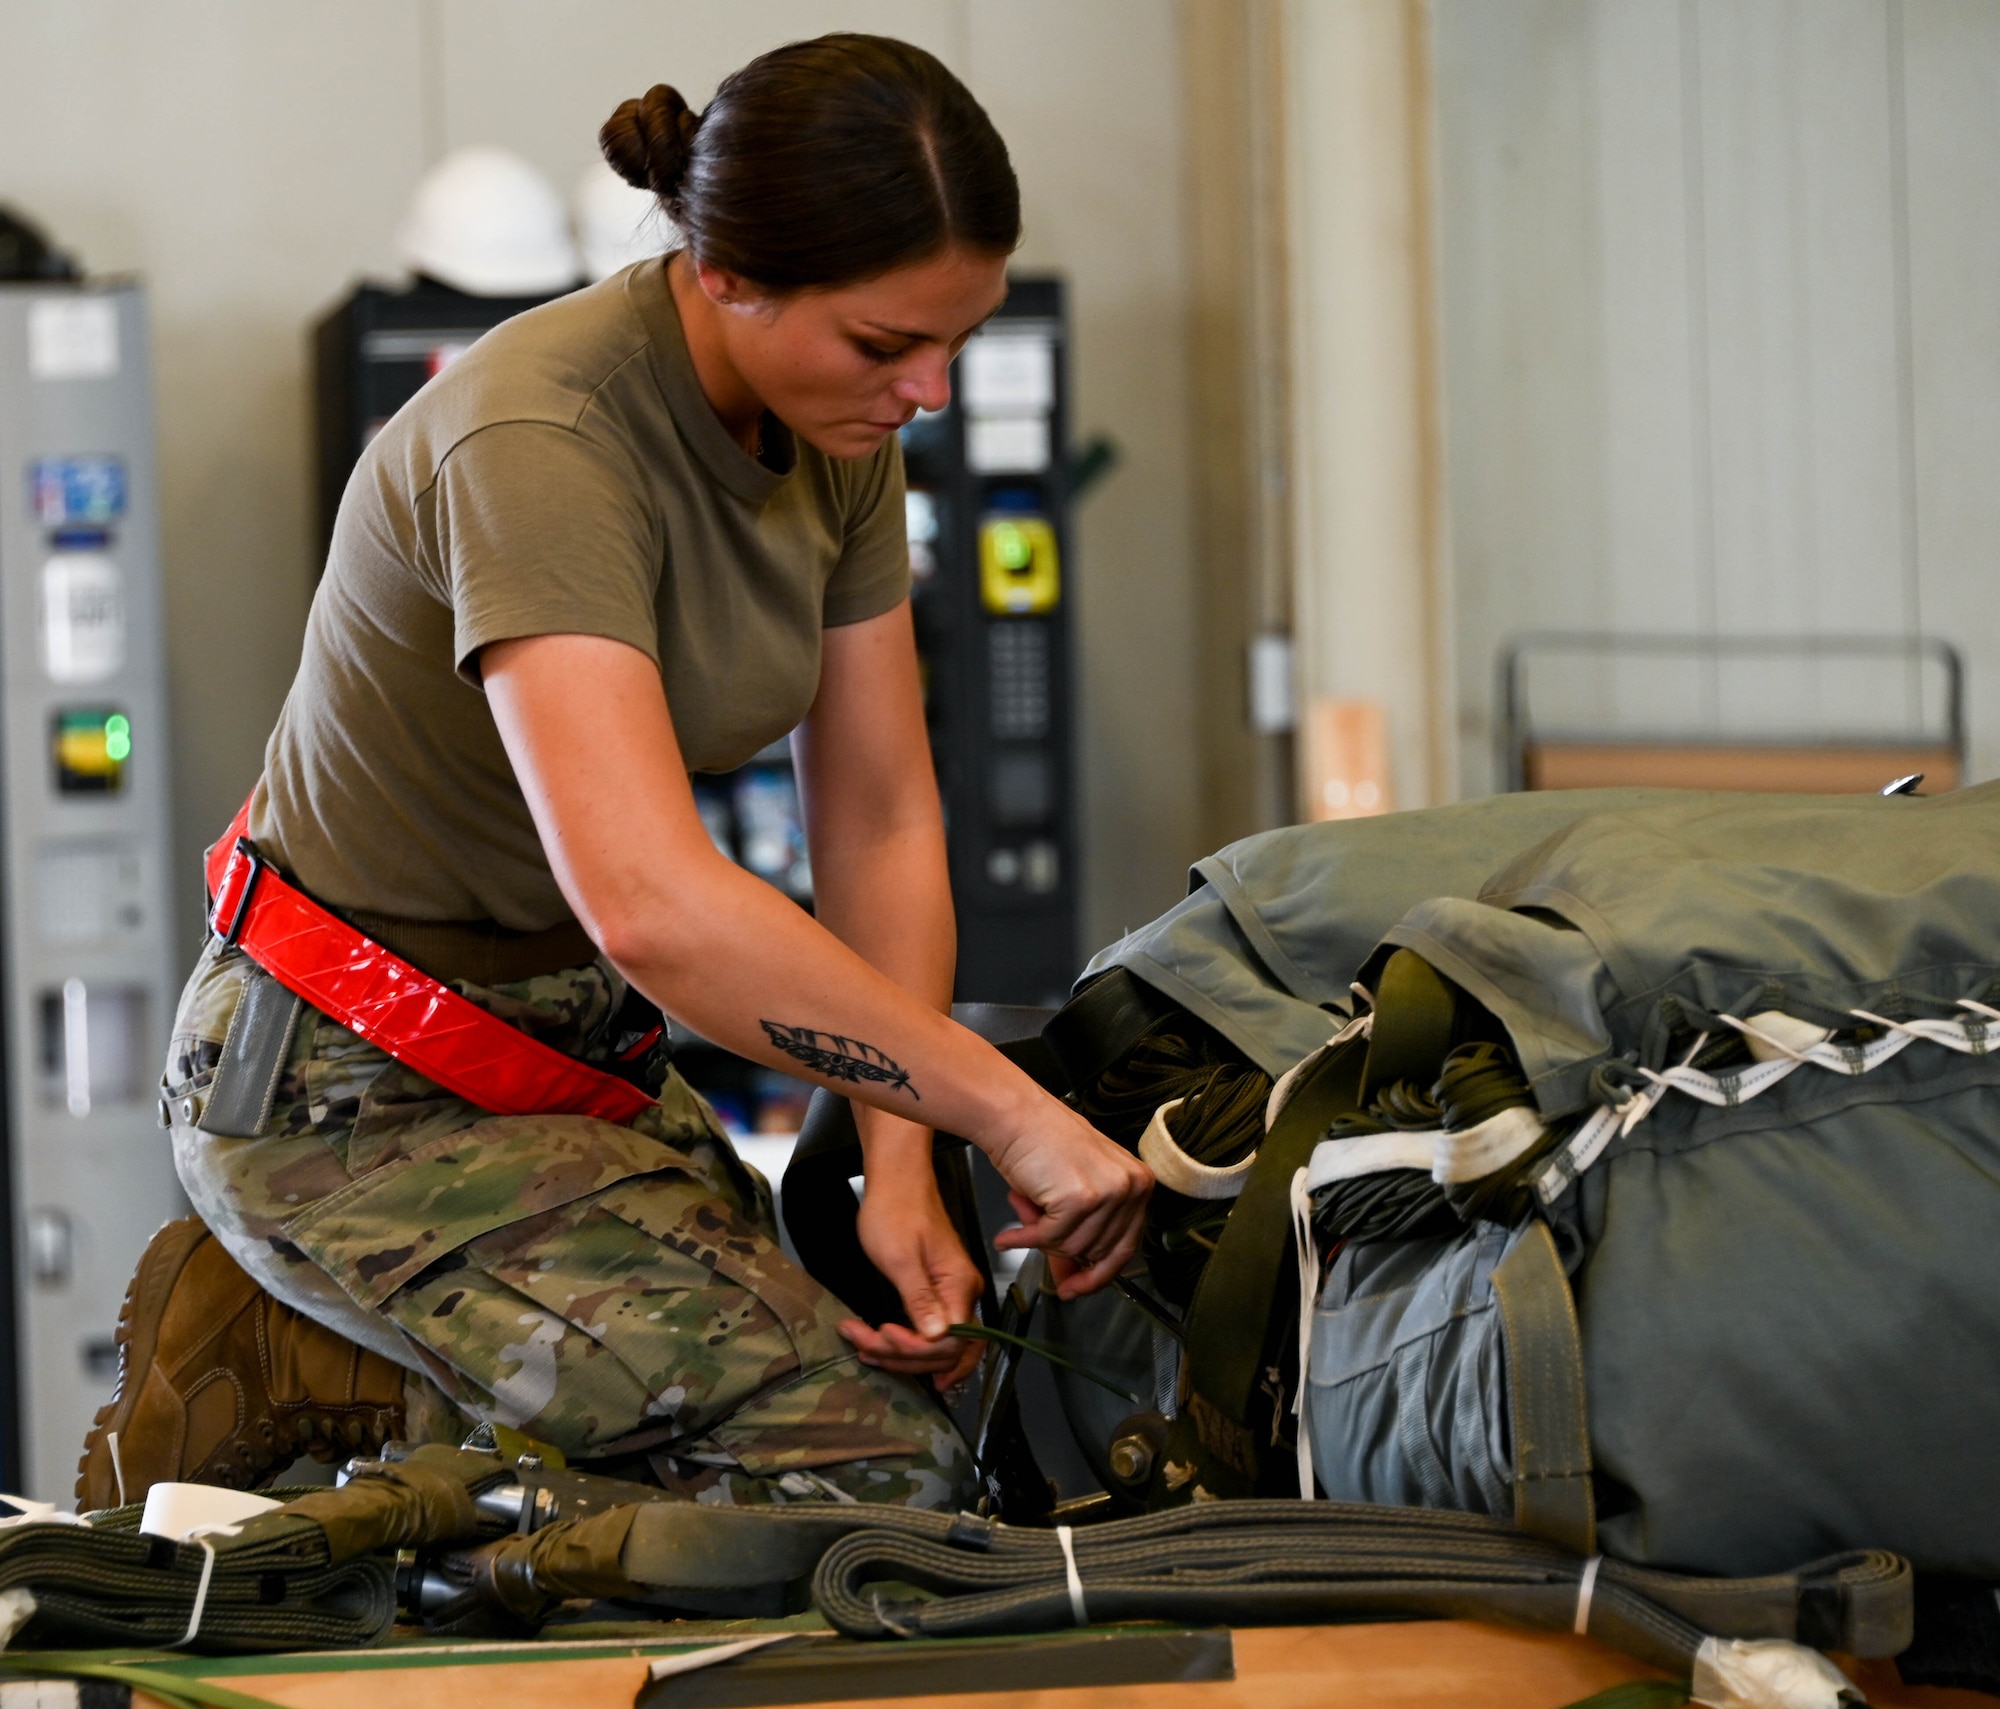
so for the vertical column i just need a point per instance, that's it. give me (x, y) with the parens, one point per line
(1239, 349)
(1372, 601)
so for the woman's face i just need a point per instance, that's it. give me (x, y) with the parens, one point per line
(844, 368)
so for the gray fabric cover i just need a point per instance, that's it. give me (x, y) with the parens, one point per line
(1276, 927)
(1790, 1309)
(1408, 1390)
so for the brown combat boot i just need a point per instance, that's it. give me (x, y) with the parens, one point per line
(220, 1383)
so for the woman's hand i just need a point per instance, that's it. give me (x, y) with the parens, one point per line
(1079, 1197)
(909, 1238)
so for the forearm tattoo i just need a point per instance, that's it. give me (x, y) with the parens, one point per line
(837, 1058)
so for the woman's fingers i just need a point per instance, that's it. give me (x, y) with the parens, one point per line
(1098, 1275)
(1086, 1233)
(891, 1347)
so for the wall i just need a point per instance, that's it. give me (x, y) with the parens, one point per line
(1722, 345)
(252, 160)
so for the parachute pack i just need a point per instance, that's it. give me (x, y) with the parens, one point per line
(1624, 1164)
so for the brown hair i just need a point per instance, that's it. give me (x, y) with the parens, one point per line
(822, 163)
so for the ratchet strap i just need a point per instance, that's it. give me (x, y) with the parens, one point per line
(376, 994)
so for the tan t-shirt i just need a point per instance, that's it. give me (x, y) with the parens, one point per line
(565, 476)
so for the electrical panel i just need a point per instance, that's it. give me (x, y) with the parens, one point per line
(90, 980)
(992, 566)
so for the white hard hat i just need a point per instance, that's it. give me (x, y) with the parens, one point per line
(617, 223)
(485, 221)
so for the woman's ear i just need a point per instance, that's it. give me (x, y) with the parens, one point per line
(723, 287)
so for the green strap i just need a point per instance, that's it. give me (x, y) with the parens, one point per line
(1552, 1492)
(170, 1688)
(1414, 1014)
(1228, 1322)
(1238, 1299)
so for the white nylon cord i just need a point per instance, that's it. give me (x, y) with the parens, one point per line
(1077, 1610)
(1586, 1588)
(200, 1593)
(1302, 1235)
(117, 1464)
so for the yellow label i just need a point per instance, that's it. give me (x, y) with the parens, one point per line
(1018, 568)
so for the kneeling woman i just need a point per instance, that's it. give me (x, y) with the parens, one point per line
(646, 529)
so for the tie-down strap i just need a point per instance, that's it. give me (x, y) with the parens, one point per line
(1545, 1395)
(423, 1024)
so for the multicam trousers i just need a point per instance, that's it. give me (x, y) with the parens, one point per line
(614, 1291)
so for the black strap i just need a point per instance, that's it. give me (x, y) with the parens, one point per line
(819, 1207)
(1102, 1022)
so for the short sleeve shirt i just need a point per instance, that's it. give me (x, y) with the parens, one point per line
(567, 475)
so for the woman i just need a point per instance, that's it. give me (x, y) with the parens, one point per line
(646, 529)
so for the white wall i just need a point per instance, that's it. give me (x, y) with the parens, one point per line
(251, 160)
(1722, 343)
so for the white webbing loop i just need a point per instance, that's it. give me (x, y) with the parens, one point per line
(1470, 1154)
(1308, 1298)
(1586, 1588)
(1174, 1169)
(1077, 1610)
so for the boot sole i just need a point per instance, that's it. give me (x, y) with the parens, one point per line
(137, 1335)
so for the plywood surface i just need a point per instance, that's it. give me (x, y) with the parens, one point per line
(1430, 1665)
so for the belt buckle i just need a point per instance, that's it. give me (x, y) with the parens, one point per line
(232, 896)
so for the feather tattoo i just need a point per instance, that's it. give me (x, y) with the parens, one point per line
(837, 1058)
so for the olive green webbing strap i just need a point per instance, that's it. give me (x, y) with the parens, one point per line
(1545, 1395)
(1228, 1319)
(1414, 1013)
(1228, 1327)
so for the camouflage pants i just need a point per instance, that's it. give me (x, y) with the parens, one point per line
(610, 1290)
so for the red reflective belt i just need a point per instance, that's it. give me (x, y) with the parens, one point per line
(422, 1024)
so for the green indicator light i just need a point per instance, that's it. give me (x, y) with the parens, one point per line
(117, 737)
(1013, 548)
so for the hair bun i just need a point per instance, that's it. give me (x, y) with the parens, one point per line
(648, 140)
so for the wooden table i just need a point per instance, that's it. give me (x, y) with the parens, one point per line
(1420, 1665)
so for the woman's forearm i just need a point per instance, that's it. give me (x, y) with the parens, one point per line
(888, 898)
(727, 954)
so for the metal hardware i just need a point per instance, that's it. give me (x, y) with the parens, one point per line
(245, 850)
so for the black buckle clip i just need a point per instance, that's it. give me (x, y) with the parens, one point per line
(245, 859)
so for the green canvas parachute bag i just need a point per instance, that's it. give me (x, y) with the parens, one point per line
(1644, 1149)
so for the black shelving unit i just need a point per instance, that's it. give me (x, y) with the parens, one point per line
(992, 604)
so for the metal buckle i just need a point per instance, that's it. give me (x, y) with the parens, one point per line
(244, 859)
